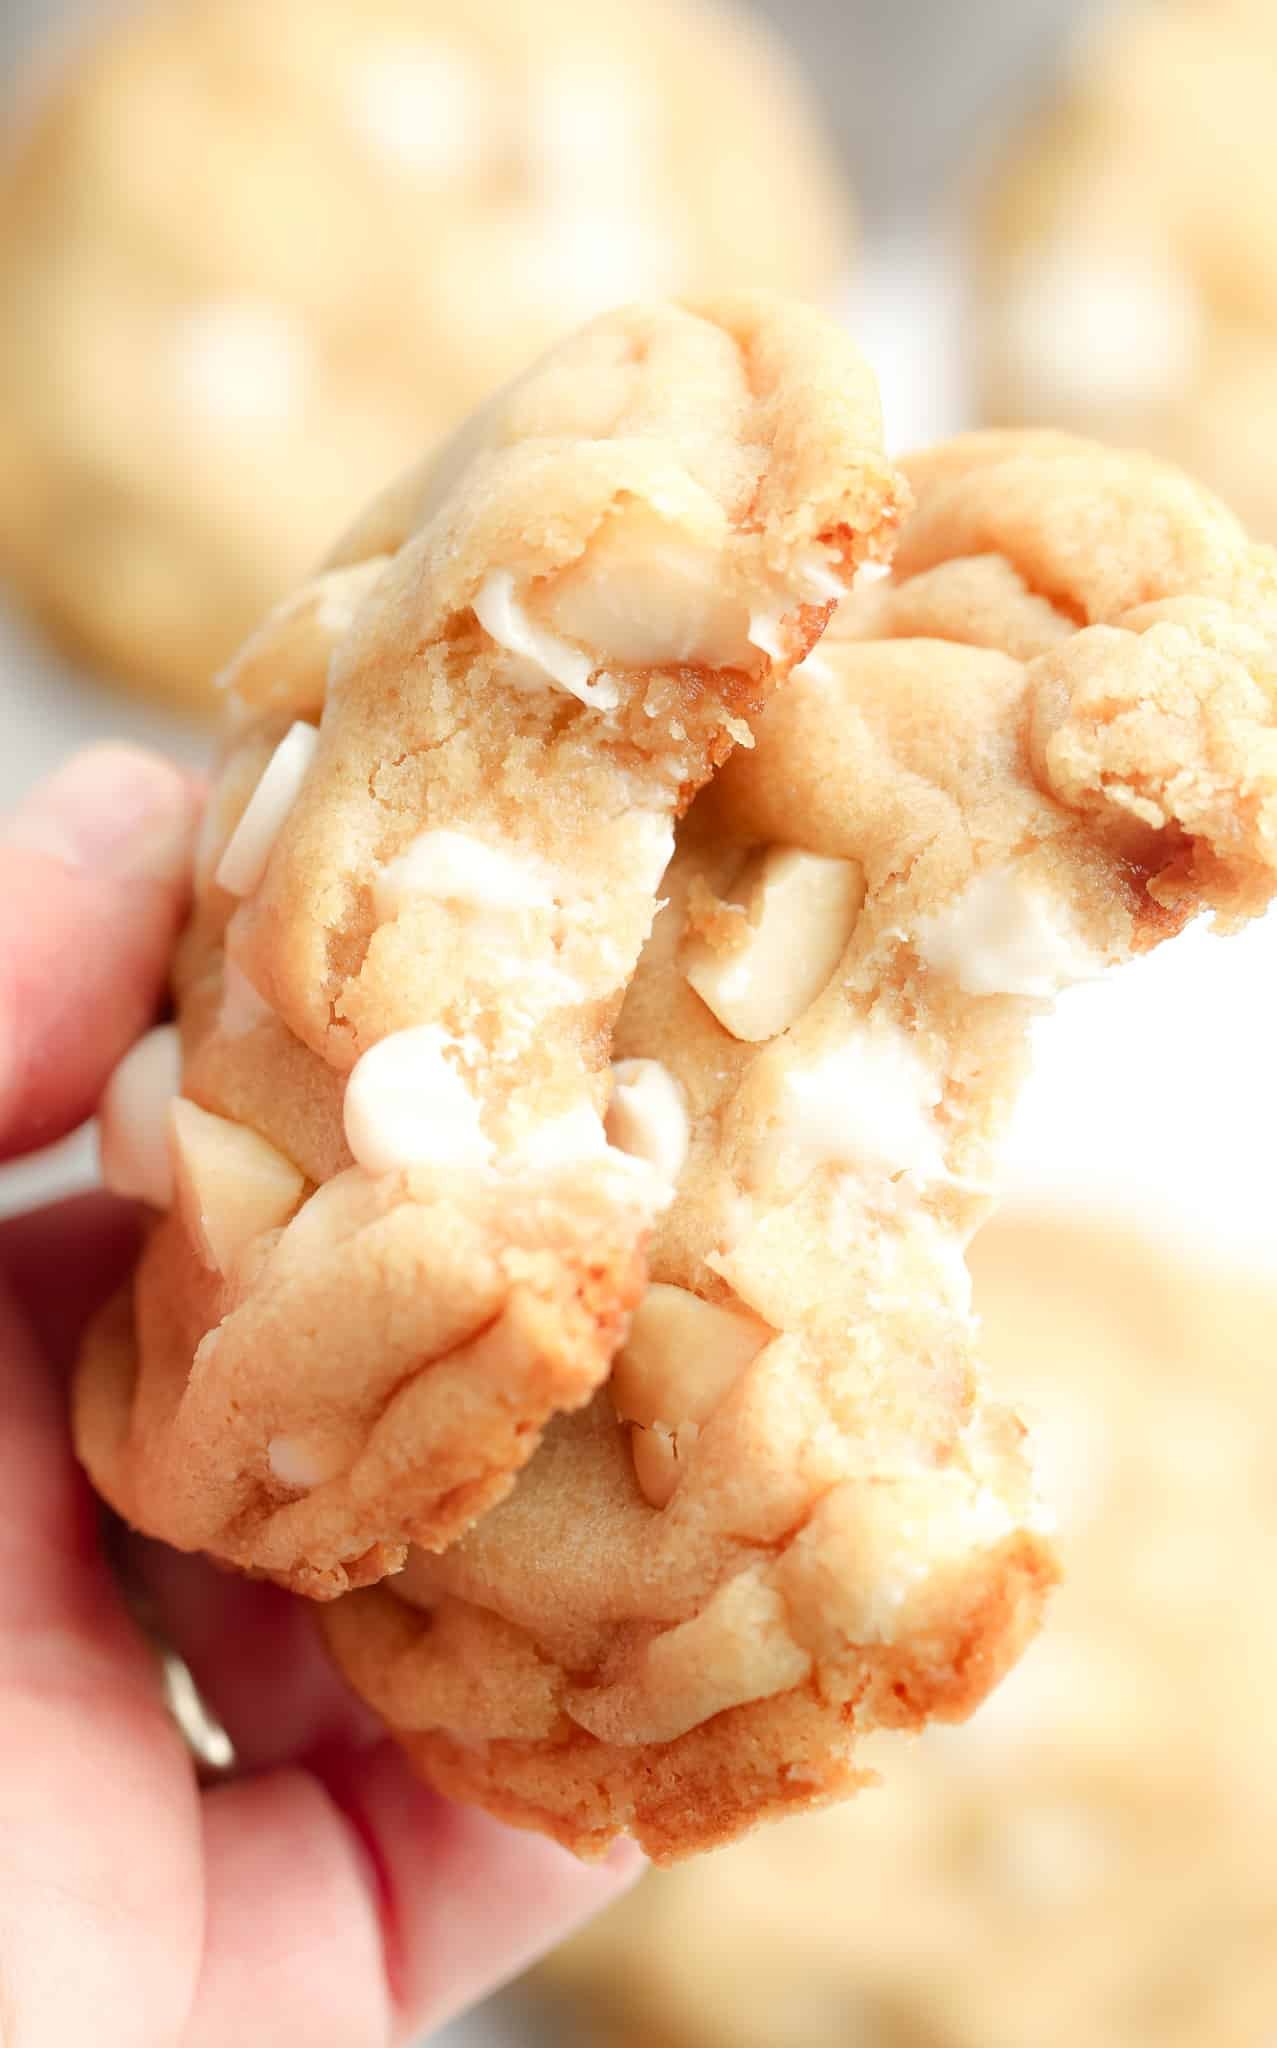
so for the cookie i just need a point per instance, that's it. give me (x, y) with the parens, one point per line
(795, 1514)
(397, 1236)
(254, 257)
(1126, 260)
(1090, 1859)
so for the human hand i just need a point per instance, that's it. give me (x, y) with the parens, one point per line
(321, 1897)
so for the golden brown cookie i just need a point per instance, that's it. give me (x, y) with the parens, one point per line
(1126, 259)
(251, 253)
(398, 1235)
(796, 1515)
(1091, 1859)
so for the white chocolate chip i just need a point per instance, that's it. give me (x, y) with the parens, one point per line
(819, 573)
(454, 867)
(231, 1184)
(1004, 935)
(214, 829)
(133, 1118)
(407, 1105)
(241, 1009)
(1080, 334)
(682, 1356)
(502, 616)
(645, 842)
(420, 106)
(800, 911)
(764, 633)
(562, 1140)
(589, 122)
(242, 364)
(884, 1542)
(338, 594)
(243, 864)
(643, 596)
(868, 1103)
(647, 1116)
(302, 1462)
(583, 256)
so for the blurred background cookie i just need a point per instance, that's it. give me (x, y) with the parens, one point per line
(1090, 1860)
(249, 252)
(1127, 265)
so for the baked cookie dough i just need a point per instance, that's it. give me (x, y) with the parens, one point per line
(1090, 1860)
(398, 1236)
(795, 1514)
(1126, 262)
(252, 250)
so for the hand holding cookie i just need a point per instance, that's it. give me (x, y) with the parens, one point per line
(572, 1236)
(135, 1902)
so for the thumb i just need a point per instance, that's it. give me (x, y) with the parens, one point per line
(94, 870)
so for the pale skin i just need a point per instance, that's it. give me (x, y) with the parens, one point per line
(321, 1894)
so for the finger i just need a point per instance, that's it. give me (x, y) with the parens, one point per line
(350, 1906)
(254, 1654)
(93, 882)
(293, 1949)
(100, 1896)
(466, 1903)
(62, 1262)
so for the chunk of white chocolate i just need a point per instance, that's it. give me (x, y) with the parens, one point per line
(455, 867)
(681, 1357)
(241, 1009)
(502, 615)
(338, 594)
(302, 1462)
(647, 1116)
(232, 1185)
(243, 864)
(868, 1103)
(242, 364)
(422, 106)
(819, 573)
(765, 633)
(1006, 935)
(407, 1104)
(644, 596)
(563, 1140)
(886, 1540)
(1081, 334)
(133, 1118)
(800, 911)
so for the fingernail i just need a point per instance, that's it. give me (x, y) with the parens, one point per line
(113, 810)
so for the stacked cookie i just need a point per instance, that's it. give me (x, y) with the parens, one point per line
(598, 1016)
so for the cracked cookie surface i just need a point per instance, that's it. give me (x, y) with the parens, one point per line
(207, 361)
(399, 1236)
(796, 1514)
